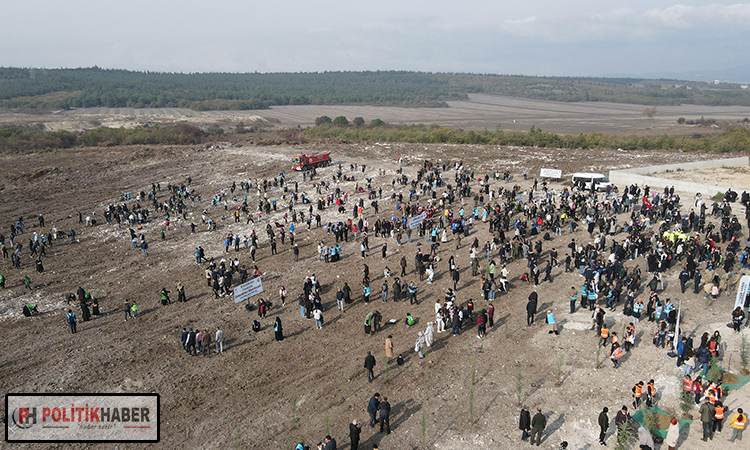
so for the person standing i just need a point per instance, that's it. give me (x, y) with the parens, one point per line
(340, 299)
(369, 366)
(603, 425)
(372, 408)
(738, 422)
(573, 296)
(707, 413)
(206, 341)
(524, 423)
(531, 307)
(126, 308)
(622, 416)
(354, 431)
(673, 433)
(384, 413)
(318, 316)
(278, 329)
(72, 322)
(219, 338)
(389, 347)
(538, 424)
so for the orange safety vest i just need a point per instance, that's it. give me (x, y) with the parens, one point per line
(687, 384)
(737, 424)
(650, 390)
(617, 353)
(615, 339)
(719, 412)
(637, 389)
(605, 332)
(711, 396)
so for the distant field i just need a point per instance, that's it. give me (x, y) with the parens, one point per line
(480, 111)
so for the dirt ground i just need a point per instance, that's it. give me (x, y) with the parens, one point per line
(737, 177)
(263, 394)
(480, 111)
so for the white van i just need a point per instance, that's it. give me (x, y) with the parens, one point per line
(589, 179)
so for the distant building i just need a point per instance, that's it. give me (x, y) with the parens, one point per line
(744, 86)
(716, 81)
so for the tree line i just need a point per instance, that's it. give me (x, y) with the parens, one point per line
(24, 140)
(28, 88)
(730, 140)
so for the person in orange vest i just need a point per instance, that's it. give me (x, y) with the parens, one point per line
(615, 340)
(710, 394)
(650, 393)
(629, 336)
(738, 422)
(718, 416)
(687, 384)
(637, 394)
(616, 355)
(604, 335)
(719, 390)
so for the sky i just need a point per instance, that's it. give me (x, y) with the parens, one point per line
(533, 37)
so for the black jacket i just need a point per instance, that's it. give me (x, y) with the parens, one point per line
(354, 431)
(531, 307)
(384, 409)
(369, 362)
(524, 422)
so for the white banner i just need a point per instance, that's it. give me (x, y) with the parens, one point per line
(247, 290)
(416, 220)
(550, 173)
(742, 291)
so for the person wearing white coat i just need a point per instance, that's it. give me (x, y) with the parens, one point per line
(673, 433)
(429, 334)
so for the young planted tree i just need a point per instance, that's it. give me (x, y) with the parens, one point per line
(558, 373)
(624, 434)
(598, 356)
(715, 371)
(519, 385)
(294, 412)
(744, 355)
(387, 369)
(343, 385)
(471, 389)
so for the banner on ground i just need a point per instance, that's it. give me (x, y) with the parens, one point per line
(248, 289)
(742, 290)
(416, 220)
(550, 173)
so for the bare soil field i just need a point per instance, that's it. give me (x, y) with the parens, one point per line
(737, 177)
(262, 394)
(479, 112)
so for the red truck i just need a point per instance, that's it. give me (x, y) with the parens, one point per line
(310, 160)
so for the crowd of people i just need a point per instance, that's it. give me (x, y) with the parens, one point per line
(627, 230)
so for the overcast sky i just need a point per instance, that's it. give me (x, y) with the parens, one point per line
(533, 37)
